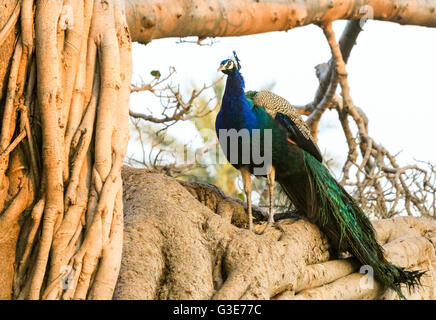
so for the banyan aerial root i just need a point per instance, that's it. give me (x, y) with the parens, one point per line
(67, 98)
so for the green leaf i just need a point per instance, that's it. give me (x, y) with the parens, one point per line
(155, 73)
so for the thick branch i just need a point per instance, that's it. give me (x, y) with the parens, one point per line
(153, 19)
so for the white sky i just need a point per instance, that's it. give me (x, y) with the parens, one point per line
(392, 72)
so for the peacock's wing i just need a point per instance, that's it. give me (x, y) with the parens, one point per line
(287, 116)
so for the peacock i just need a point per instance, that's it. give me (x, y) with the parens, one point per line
(265, 121)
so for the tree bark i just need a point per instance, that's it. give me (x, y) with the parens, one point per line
(64, 135)
(154, 19)
(178, 246)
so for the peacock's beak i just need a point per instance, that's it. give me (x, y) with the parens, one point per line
(221, 68)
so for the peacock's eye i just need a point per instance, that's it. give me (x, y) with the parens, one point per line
(228, 64)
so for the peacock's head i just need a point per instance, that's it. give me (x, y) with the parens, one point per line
(230, 66)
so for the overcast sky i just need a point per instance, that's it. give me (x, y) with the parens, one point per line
(392, 72)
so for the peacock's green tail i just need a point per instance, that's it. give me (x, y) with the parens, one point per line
(340, 217)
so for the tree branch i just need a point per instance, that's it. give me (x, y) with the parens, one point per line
(154, 19)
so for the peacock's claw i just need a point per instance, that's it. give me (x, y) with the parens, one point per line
(268, 225)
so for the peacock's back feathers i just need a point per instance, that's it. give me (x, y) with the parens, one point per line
(288, 117)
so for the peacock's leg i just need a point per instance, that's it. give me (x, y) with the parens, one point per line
(246, 181)
(271, 177)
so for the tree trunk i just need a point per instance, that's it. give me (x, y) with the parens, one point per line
(67, 94)
(207, 257)
(65, 71)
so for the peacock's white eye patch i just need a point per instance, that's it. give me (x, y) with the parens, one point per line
(229, 65)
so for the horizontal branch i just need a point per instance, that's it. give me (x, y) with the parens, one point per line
(154, 19)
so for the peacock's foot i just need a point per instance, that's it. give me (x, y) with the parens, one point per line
(270, 224)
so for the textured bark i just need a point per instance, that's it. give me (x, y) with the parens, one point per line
(16, 190)
(155, 19)
(176, 247)
(64, 133)
(7, 39)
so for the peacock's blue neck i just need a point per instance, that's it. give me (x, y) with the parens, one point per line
(236, 111)
(235, 85)
(234, 99)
